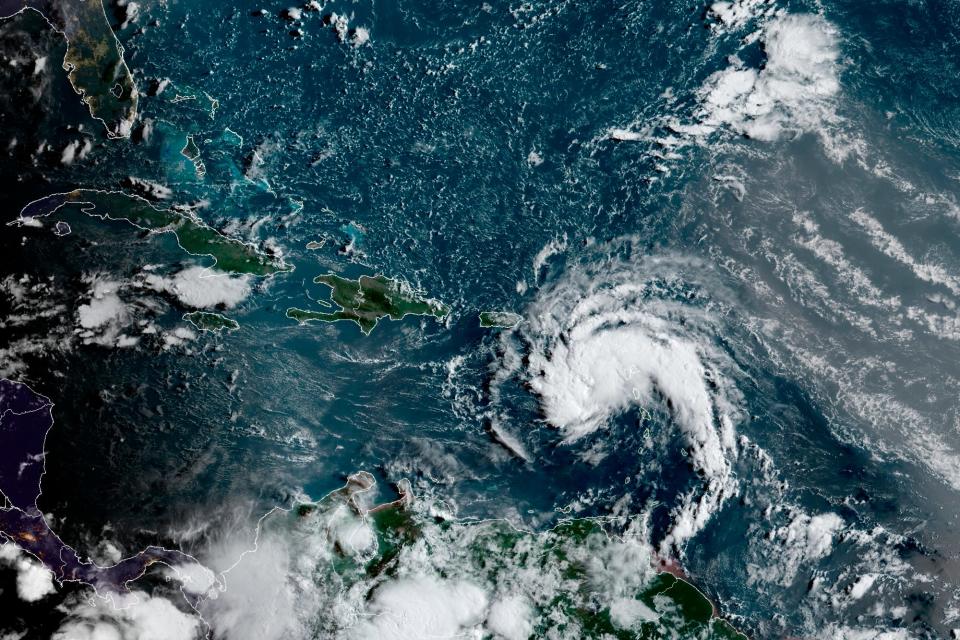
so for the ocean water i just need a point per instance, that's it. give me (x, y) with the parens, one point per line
(729, 229)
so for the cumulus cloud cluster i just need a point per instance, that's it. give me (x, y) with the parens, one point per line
(104, 316)
(423, 606)
(34, 581)
(791, 94)
(732, 14)
(33, 302)
(604, 340)
(134, 616)
(117, 314)
(793, 91)
(47, 316)
(804, 540)
(308, 574)
(201, 288)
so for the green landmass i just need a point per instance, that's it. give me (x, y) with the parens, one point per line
(206, 321)
(95, 66)
(501, 319)
(195, 237)
(367, 300)
(578, 578)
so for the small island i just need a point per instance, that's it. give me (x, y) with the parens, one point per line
(195, 237)
(367, 300)
(207, 321)
(191, 152)
(499, 319)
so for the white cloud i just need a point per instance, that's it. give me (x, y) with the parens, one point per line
(422, 607)
(834, 632)
(106, 553)
(806, 539)
(619, 567)
(629, 612)
(603, 369)
(736, 13)
(151, 189)
(601, 343)
(30, 221)
(361, 36)
(32, 302)
(195, 578)
(831, 253)
(260, 598)
(794, 91)
(511, 618)
(353, 535)
(34, 581)
(105, 306)
(102, 319)
(791, 93)
(201, 288)
(890, 245)
(862, 585)
(134, 616)
(69, 152)
(308, 577)
(178, 337)
(127, 341)
(552, 248)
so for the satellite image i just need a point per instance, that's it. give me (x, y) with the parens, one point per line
(538, 319)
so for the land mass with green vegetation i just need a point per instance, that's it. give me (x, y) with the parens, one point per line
(576, 580)
(194, 236)
(207, 321)
(500, 319)
(367, 300)
(93, 60)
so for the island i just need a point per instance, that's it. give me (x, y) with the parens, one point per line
(93, 60)
(191, 152)
(367, 300)
(499, 319)
(207, 321)
(195, 237)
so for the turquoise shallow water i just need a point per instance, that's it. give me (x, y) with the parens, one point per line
(730, 230)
